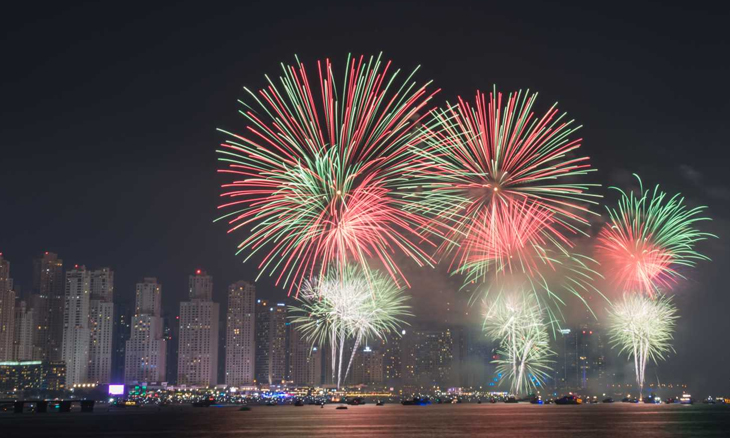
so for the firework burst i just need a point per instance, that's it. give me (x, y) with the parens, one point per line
(648, 237)
(316, 174)
(500, 182)
(349, 304)
(642, 327)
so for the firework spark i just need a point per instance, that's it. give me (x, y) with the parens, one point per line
(642, 327)
(648, 237)
(315, 177)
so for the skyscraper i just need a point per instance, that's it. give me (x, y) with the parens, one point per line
(240, 324)
(305, 360)
(567, 367)
(368, 367)
(122, 332)
(431, 356)
(76, 333)
(23, 339)
(101, 325)
(197, 362)
(393, 360)
(7, 312)
(48, 283)
(146, 349)
(270, 342)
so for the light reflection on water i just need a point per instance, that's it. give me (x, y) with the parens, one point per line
(617, 420)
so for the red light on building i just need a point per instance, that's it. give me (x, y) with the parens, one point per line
(197, 272)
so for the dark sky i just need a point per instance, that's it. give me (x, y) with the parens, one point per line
(109, 116)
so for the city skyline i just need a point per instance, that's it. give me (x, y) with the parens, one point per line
(426, 354)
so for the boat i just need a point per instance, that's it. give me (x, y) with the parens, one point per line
(536, 400)
(341, 407)
(203, 403)
(608, 400)
(298, 403)
(511, 399)
(686, 399)
(379, 403)
(568, 400)
(416, 401)
(356, 401)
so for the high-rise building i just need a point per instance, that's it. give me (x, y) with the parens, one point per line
(39, 305)
(197, 362)
(591, 359)
(270, 343)
(23, 340)
(566, 368)
(146, 350)
(48, 283)
(240, 325)
(122, 331)
(393, 360)
(305, 360)
(433, 356)
(76, 333)
(101, 325)
(368, 367)
(7, 312)
(201, 286)
(171, 333)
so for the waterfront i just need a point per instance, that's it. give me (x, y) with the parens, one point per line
(616, 420)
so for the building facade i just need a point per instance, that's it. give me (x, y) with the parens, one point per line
(23, 339)
(305, 360)
(101, 326)
(48, 303)
(146, 349)
(76, 333)
(270, 343)
(240, 340)
(197, 363)
(7, 312)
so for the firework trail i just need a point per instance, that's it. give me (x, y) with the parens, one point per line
(315, 177)
(349, 304)
(648, 237)
(641, 326)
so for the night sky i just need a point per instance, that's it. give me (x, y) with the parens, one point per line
(109, 115)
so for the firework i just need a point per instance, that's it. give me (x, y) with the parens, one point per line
(500, 183)
(315, 176)
(349, 304)
(642, 327)
(648, 237)
(517, 321)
